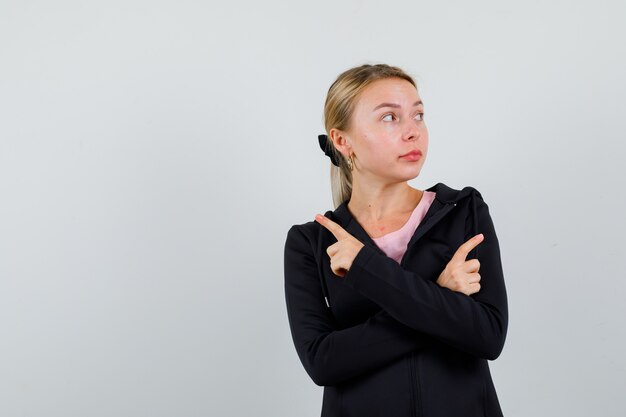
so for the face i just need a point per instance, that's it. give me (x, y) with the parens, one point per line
(386, 124)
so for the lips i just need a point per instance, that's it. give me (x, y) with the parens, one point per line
(412, 156)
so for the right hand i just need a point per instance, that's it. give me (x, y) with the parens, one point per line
(461, 275)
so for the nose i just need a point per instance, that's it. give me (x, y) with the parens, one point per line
(410, 130)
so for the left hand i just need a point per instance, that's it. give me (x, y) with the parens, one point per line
(342, 252)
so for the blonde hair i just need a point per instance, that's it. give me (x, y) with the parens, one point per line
(340, 101)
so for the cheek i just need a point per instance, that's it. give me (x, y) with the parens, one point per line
(377, 147)
(424, 137)
(370, 143)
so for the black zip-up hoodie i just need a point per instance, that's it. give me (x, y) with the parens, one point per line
(386, 339)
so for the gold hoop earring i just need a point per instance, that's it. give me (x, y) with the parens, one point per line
(350, 162)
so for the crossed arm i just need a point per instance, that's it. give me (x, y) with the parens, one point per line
(414, 310)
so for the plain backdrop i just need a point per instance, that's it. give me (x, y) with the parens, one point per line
(153, 155)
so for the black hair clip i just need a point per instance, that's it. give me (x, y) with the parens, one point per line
(326, 147)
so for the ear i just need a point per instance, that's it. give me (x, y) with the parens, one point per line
(341, 141)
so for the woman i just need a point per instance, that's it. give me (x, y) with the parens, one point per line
(386, 305)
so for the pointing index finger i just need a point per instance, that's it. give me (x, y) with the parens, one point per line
(333, 227)
(466, 247)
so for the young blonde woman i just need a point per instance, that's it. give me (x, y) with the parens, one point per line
(396, 299)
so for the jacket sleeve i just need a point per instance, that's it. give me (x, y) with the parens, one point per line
(476, 324)
(331, 355)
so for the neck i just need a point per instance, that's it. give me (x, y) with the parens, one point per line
(375, 202)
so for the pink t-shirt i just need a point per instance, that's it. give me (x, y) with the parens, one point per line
(394, 244)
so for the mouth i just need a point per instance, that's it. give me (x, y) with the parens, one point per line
(412, 156)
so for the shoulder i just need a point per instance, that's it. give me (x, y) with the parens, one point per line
(312, 230)
(304, 236)
(303, 231)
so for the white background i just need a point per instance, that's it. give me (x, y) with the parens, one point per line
(153, 155)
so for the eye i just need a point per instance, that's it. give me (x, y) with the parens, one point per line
(385, 117)
(419, 116)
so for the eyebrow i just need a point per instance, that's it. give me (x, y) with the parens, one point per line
(417, 103)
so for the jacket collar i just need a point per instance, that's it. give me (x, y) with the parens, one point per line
(445, 199)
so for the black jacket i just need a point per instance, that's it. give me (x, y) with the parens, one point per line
(386, 339)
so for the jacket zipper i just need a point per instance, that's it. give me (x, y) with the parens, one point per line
(414, 391)
(416, 400)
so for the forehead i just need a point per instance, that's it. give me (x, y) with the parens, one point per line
(394, 90)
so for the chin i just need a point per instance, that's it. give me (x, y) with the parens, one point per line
(411, 168)
(407, 175)
(402, 171)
